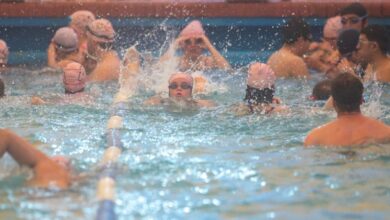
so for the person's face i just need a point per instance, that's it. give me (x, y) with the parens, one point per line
(94, 46)
(365, 49)
(332, 41)
(352, 21)
(193, 46)
(303, 45)
(179, 88)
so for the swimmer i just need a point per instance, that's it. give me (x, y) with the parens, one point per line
(373, 48)
(351, 128)
(194, 42)
(4, 52)
(79, 21)
(47, 173)
(321, 52)
(288, 61)
(321, 90)
(260, 91)
(346, 60)
(180, 93)
(101, 61)
(74, 79)
(354, 16)
(63, 48)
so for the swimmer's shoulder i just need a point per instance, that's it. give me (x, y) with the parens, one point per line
(204, 103)
(155, 100)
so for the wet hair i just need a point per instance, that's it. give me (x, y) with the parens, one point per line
(347, 41)
(347, 92)
(356, 9)
(296, 27)
(2, 88)
(379, 35)
(322, 90)
(255, 96)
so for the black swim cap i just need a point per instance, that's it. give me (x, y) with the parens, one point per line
(348, 41)
(259, 96)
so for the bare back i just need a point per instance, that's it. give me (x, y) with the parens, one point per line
(349, 130)
(286, 64)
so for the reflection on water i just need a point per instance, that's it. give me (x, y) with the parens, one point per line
(205, 165)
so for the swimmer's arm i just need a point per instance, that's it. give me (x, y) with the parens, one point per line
(35, 100)
(46, 172)
(51, 56)
(107, 69)
(205, 103)
(329, 104)
(171, 50)
(218, 60)
(155, 100)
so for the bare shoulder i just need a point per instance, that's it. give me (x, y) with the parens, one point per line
(315, 136)
(205, 103)
(155, 100)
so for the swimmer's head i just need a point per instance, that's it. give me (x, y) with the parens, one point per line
(192, 30)
(347, 93)
(3, 52)
(354, 16)
(332, 29)
(65, 40)
(296, 33)
(180, 85)
(101, 35)
(373, 40)
(192, 38)
(74, 78)
(347, 42)
(2, 88)
(80, 20)
(321, 90)
(260, 84)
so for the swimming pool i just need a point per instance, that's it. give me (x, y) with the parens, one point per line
(208, 164)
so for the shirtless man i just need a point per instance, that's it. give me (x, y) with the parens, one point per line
(351, 128)
(47, 173)
(101, 62)
(4, 52)
(288, 61)
(193, 41)
(373, 49)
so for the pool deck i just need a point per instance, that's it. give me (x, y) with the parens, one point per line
(185, 8)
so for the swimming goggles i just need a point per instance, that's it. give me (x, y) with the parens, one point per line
(196, 41)
(182, 85)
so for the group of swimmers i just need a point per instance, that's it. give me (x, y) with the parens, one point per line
(350, 52)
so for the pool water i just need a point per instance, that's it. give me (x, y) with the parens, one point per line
(208, 164)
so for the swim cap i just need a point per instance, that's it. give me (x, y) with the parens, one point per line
(66, 39)
(332, 27)
(193, 29)
(81, 19)
(74, 77)
(101, 30)
(260, 76)
(186, 77)
(347, 41)
(3, 52)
